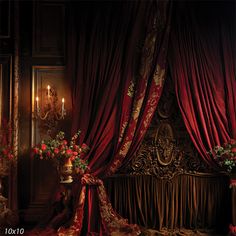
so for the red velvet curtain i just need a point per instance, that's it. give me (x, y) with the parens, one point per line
(114, 75)
(202, 62)
(104, 37)
(117, 61)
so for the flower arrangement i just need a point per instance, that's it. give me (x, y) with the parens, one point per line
(6, 149)
(225, 155)
(62, 151)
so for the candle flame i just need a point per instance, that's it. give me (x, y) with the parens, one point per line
(63, 100)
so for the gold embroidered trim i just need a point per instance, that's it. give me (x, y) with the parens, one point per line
(137, 108)
(159, 76)
(124, 125)
(130, 92)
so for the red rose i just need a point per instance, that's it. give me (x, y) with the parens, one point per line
(48, 153)
(4, 151)
(64, 142)
(233, 149)
(232, 141)
(68, 152)
(82, 155)
(43, 146)
(36, 150)
(56, 150)
(75, 153)
(232, 228)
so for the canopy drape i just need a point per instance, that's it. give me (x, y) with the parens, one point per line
(202, 62)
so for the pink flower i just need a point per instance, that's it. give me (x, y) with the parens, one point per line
(75, 153)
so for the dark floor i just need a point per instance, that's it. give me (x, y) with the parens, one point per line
(181, 232)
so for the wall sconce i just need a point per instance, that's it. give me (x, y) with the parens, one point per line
(49, 110)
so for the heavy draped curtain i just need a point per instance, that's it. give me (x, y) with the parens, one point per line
(202, 62)
(190, 201)
(116, 71)
(117, 63)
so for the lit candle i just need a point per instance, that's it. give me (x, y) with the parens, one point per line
(62, 104)
(48, 91)
(37, 102)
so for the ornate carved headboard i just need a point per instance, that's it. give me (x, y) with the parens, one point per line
(167, 149)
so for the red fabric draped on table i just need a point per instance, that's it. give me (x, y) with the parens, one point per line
(116, 60)
(202, 61)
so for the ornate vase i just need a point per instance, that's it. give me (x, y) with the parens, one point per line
(66, 171)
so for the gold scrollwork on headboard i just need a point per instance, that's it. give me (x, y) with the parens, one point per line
(164, 144)
(158, 155)
(162, 156)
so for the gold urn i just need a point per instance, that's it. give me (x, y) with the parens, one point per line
(66, 171)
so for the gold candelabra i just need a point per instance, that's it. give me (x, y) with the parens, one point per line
(49, 109)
